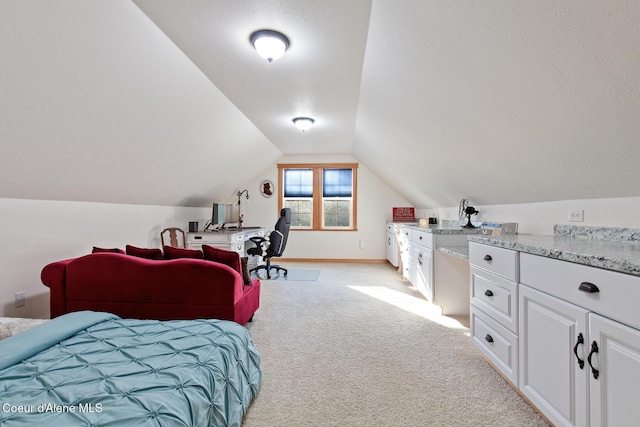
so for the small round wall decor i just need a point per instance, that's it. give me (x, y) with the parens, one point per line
(266, 188)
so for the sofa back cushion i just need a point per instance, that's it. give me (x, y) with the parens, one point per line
(223, 256)
(171, 252)
(152, 253)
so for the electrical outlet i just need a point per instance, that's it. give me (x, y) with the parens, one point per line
(361, 244)
(576, 215)
(20, 298)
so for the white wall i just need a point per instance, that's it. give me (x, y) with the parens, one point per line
(539, 218)
(375, 202)
(37, 232)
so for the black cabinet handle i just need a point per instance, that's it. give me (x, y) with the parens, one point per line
(488, 293)
(488, 338)
(487, 258)
(594, 349)
(197, 237)
(575, 350)
(589, 288)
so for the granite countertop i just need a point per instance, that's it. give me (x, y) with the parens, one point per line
(451, 227)
(616, 255)
(461, 252)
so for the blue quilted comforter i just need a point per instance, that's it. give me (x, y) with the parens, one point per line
(95, 369)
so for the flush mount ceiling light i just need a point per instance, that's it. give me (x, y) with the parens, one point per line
(270, 44)
(303, 123)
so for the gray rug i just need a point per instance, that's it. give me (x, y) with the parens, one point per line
(306, 274)
(362, 348)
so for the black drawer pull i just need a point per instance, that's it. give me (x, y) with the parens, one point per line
(575, 350)
(589, 288)
(197, 237)
(488, 293)
(488, 338)
(487, 258)
(594, 349)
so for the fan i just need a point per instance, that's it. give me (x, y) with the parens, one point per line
(466, 211)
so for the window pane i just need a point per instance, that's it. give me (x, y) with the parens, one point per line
(298, 183)
(300, 212)
(337, 213)
(337, 183)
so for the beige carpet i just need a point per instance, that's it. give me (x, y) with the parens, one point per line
(359, 347)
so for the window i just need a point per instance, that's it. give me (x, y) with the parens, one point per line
(320, 196)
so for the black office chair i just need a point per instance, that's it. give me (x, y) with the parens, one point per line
(272, 246)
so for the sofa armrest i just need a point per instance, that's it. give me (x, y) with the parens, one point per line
(54, 276)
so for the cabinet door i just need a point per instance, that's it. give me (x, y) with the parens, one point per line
(550, 374)
(424, 273)
(392, 249)
(614, 393)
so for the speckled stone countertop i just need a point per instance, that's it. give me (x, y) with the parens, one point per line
(596, 247)
(461, 252)
(447, 227)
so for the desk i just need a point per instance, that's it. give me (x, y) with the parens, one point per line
(233, 240)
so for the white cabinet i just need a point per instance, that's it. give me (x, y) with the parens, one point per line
(392, 245)
(442, 279)
(613, 395)
(550, 375)
(494, 306)
(421, 270)
(403, 237)
(579, 361)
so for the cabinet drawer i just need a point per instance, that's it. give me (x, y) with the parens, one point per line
(422, 238)
(503, 262)
(617, 294)
(496, 296)
(497, 343)
(405, 234)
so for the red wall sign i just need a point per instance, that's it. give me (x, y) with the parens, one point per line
(404, 215)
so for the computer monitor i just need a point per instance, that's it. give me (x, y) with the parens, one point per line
(224, 213)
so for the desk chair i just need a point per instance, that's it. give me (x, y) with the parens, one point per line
(172, 235)
(272, 246)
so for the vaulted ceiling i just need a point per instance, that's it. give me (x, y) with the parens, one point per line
(159, 101)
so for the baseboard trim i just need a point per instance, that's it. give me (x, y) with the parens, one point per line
(334, 260)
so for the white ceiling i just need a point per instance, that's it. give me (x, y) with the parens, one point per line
(318, 77)
(500, 102)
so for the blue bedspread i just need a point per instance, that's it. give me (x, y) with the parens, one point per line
(95, 369)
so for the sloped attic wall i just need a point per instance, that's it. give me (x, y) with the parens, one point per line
(502, 102)
(99, 105)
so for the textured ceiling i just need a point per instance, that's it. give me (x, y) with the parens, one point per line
(157, 101)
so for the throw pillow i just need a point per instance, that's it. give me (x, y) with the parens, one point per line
(171, 252)
(223, 256)
(152, 253)
(246, 276)
(114, 250)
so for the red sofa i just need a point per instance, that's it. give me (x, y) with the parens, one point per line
(140, 288)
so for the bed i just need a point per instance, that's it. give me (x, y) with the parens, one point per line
(93, 368)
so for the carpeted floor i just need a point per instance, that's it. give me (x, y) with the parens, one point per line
(362, 348)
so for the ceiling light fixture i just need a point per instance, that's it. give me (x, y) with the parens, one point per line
(303, 123)
(270, 44)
